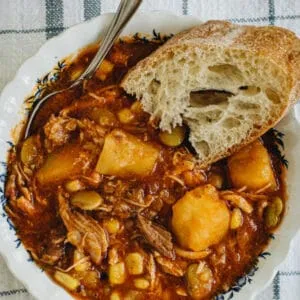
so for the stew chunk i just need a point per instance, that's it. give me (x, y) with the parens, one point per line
(71, 160)
(251, 167)
(124, 155)
(200, 219)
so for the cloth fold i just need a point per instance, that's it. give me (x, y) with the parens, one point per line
(26, 24)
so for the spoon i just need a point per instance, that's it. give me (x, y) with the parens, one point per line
(125, 11)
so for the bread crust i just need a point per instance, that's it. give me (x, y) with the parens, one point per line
(278, 45)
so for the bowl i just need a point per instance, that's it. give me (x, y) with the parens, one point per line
(51, 55)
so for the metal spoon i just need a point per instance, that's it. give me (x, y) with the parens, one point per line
(125, 11)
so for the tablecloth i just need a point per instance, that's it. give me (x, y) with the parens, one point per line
(26, 24)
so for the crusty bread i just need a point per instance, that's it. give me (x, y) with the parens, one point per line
(259, 67)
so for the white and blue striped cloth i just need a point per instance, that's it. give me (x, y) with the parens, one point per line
(26, 24)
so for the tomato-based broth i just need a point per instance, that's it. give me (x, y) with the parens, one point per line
(113, 208)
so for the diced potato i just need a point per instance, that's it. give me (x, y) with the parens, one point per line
(200, 219)
(199, 279)
(124, 155)
(173, 138)
(251, 167)
(126, 116)
(116, 273)
(66, 280)
(112, 225)
(141, 283)
(63, 164)
(86, 200)
(134, 263)
(29, 150)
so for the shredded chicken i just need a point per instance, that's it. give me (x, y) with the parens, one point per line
(11, 191)
(169, 266)
(192, 254)
(81, 105)
(90, 131)
(151, 266)
(157, 236)
(237, 200)
(58, 131)
(90, 236)
(28, 197)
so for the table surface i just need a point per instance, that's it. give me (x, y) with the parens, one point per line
(26, 24)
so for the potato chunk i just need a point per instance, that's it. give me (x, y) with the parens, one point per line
(63, 164)
(251, 167)
(123, 155)
(200, 219)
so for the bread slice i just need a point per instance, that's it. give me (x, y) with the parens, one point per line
(257, 67)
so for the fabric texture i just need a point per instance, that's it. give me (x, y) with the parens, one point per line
(26, 24)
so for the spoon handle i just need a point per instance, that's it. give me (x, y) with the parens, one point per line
(124, 13)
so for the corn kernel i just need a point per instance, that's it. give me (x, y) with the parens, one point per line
(134, 263)
(105, 68)
(85, 265)
(115, 296)
(73, 186)
(91, 279)
(126, 116)
(102, 76)
(107, 118)
(236, 219)
(116, 273)
(111, 225)
(66, 280)
(141, 283)
(76, 73)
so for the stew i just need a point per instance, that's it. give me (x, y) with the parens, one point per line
(113, 208)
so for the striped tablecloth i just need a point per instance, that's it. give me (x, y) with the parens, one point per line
(26, 24)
